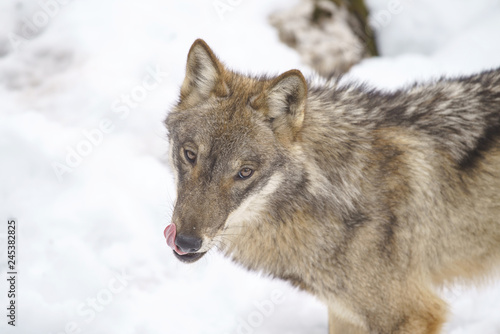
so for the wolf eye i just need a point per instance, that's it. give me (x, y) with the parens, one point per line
(245, 173)
(190, 156)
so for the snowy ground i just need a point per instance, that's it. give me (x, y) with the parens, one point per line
(84, 87)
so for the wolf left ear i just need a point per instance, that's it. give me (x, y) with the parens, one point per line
(204, 74)
(286, 102)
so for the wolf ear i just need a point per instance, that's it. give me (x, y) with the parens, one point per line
(286, 102)
(204, 74)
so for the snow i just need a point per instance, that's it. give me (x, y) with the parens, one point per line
(88, 84)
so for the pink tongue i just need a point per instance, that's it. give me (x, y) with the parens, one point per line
(170, 232)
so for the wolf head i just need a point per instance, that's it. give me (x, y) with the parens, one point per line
(228, 135)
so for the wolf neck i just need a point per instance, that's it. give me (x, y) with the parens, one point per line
(286, 244)
(282, 238)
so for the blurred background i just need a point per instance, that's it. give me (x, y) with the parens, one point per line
(84, 89)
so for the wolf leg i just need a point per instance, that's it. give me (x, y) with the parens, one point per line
(419, 311)
(427, 318)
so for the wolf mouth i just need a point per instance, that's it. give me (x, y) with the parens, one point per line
(170, 234)
(189, 257)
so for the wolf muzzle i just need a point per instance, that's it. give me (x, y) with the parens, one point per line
(184, 246)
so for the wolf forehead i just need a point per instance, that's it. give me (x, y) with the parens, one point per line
(233, 128)
(214, 117)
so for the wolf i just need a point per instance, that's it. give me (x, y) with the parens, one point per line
(369, 200)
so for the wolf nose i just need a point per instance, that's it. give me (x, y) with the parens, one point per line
(187, 243)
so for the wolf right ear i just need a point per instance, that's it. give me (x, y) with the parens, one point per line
(204, 75)
(286, 102)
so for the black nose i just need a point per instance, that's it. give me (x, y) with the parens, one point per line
(187, 243)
